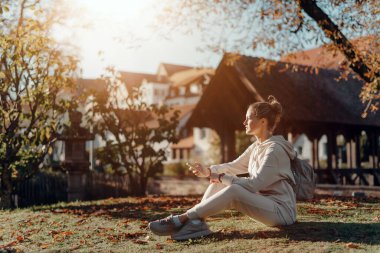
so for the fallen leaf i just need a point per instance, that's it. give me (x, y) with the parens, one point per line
(20, 238)
(82, 221)
(168, 240)
(139, 241)
(60, 236)
(11, 244)
(44, 245)
(352, 245)
(134, 235)
(75, 247)
(159, 246)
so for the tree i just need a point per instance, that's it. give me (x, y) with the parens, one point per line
(136, 135)
(282, 26)
(34, 71)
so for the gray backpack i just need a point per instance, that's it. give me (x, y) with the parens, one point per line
(305, 178)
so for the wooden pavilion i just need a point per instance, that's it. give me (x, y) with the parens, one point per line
(315, 103)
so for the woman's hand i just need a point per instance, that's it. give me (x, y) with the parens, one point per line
(199, 170)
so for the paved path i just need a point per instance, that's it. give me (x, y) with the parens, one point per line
(197, 186)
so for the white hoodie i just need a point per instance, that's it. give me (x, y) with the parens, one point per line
(268, 165)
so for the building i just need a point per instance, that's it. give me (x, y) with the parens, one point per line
(178, 86)
(316, 104)
(328, 57)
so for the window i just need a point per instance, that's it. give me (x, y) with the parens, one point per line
(182, 91)
(194, 89)
(203, 133)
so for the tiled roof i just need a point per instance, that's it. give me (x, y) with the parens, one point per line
(191, 75)
(323, 58)
(133, 79)
(306, 97)
(173, 68)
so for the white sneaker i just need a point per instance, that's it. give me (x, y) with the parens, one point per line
(164, 226)
(192, 229)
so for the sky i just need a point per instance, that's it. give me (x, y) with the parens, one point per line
(119, 33)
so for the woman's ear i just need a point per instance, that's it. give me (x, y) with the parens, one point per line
(263, 120)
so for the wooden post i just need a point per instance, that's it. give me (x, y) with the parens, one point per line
(313, 154)
(375, 149)
(331, 150)
(348, 153)
(357, 151)
(231, 150)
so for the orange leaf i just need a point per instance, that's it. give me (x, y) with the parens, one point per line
(168, 240)
(20, 238)
(139, 241)
(352, 245)
(11, 244)
(44, 245)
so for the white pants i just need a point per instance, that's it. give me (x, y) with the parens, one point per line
(219, 197)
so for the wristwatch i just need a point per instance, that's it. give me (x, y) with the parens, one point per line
(220, 177)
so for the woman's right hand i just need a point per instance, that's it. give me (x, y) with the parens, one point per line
(199, 170)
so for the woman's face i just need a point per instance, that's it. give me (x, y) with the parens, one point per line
(251, 123)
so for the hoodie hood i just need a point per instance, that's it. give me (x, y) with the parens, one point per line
(286, 145)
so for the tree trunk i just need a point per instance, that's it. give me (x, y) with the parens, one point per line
(332, 31)
(6, 188)
(139, 187)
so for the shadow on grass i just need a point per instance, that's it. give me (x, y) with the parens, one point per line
(312, 231)
(143, 208)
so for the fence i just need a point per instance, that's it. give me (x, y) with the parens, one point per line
(43, 188)
(51, 187)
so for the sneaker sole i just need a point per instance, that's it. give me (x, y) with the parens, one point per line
(192, 236)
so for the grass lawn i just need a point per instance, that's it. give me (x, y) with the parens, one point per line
(119, 225)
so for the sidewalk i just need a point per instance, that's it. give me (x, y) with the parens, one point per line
(348, 190)
(197, 186)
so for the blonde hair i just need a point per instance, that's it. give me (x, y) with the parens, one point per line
(270, 110)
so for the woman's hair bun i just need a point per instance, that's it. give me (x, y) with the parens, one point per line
(276, 106)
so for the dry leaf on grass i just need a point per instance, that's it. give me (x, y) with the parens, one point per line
(43, 245)
(81, 221)
(20, 238)
(168, 240)
(139, 241)
(352, 245)
(11, 244)
(75, 247)
(159, 246)
(134, 235)
(60, 236)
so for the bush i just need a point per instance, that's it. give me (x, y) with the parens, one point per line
(178, 169)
